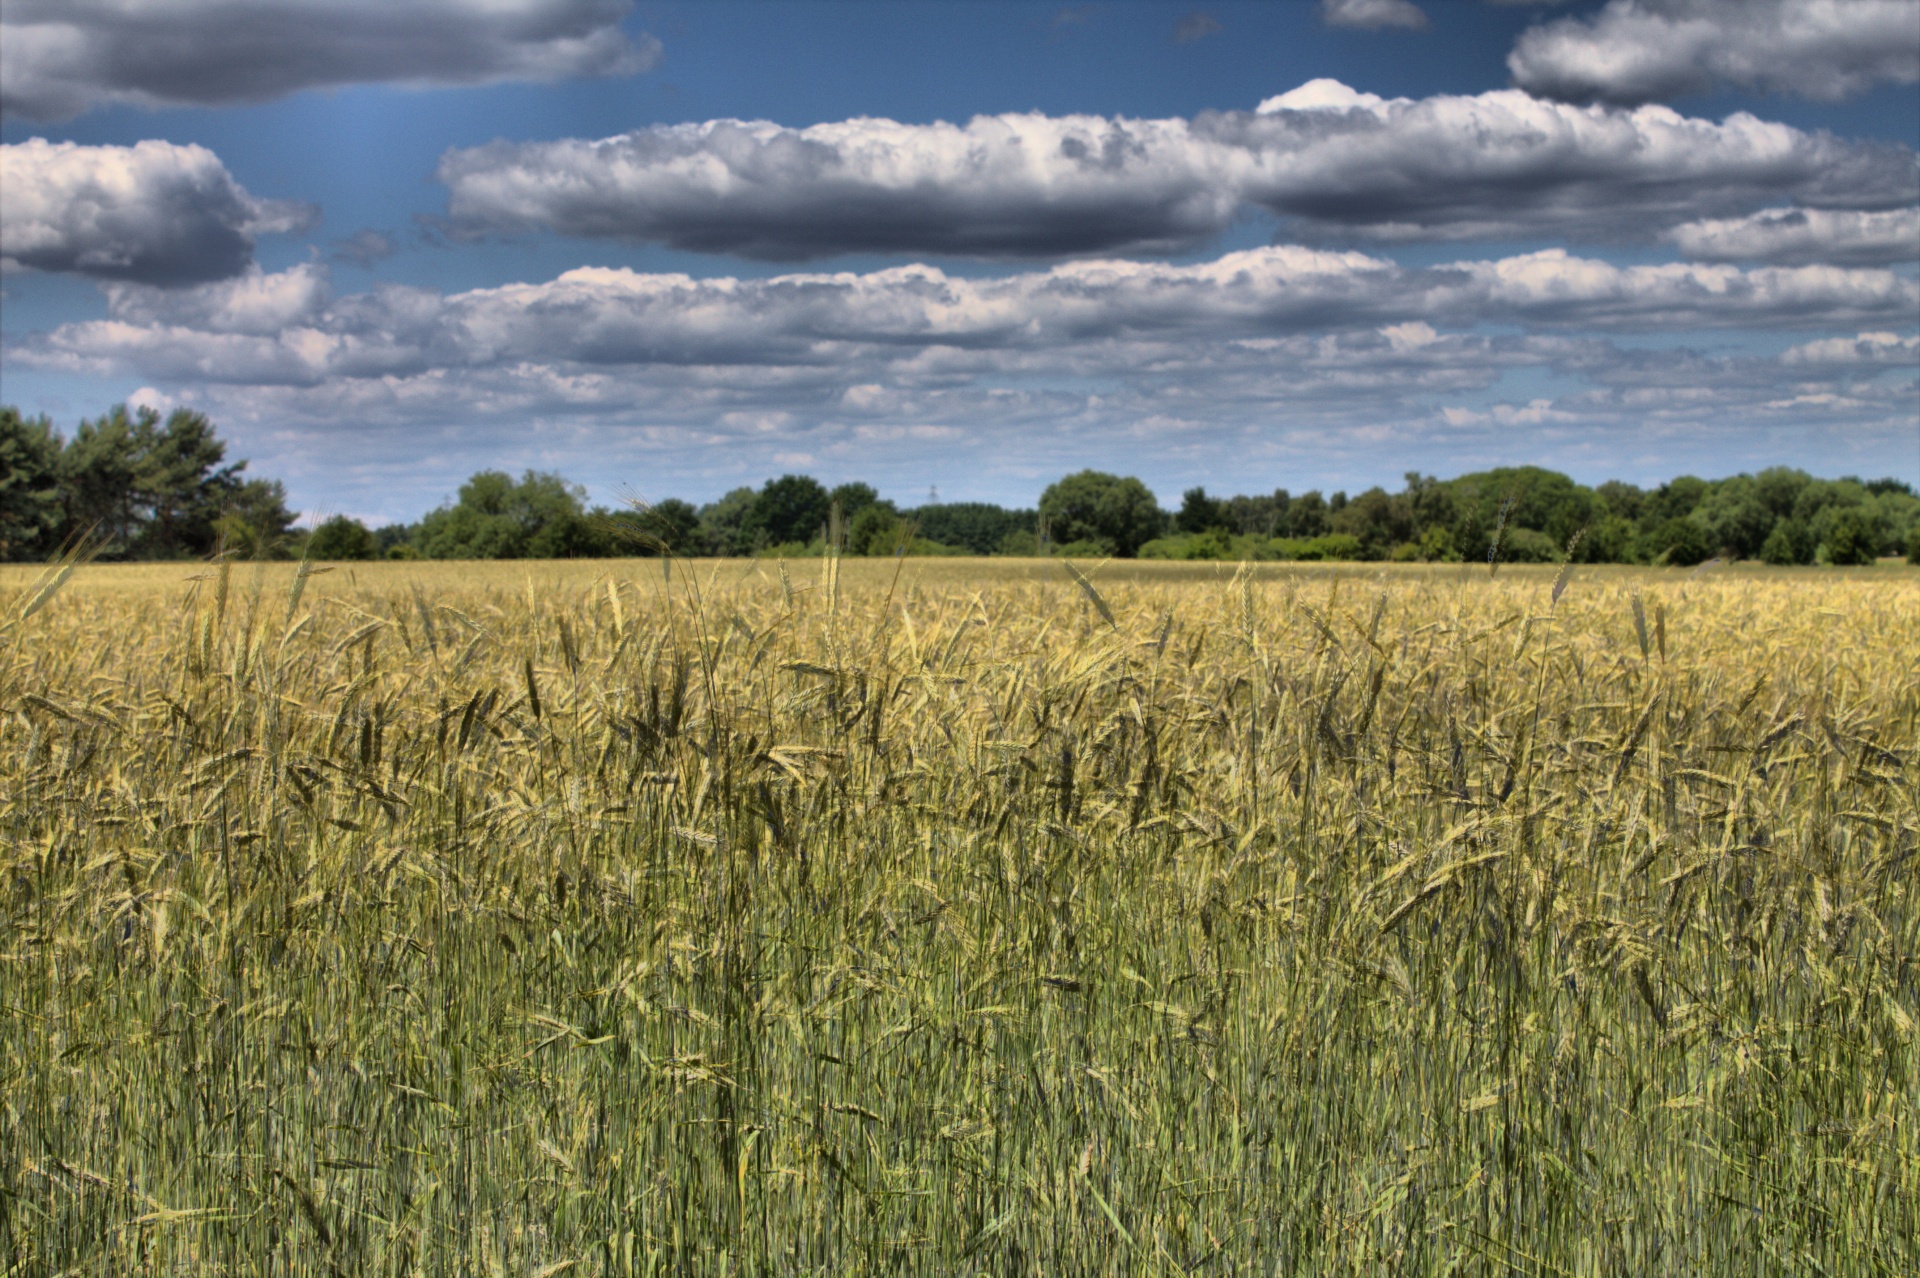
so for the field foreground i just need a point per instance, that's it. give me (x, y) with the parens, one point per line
(578, 918)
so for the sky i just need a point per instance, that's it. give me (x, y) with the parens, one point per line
(962, 249)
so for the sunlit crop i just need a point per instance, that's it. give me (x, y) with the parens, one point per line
(937, 918)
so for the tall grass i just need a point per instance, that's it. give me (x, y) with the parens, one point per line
(602, 920)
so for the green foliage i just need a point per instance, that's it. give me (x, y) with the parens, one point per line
(1330, 546)
(1200, 513)
(854, 498)
(978, 526)
(1913, 544)
(670, 526)
(724, 526)
(1678, 542)
(151, 488)
(158, 489)
(1118, 515)
(874, 530)
(1019, 542)
(1854, 538)
(30, 514)
(1436, 545)
(1307, 517)
(540, 517)
(1790, 542)
(792, 508)
(1376, 520)
(342, 537)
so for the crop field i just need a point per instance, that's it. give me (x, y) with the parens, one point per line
(950, 917)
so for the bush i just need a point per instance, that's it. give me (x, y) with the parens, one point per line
(1215, 543)
(1529, 546)
(1913, 544)
(341, 537)
(1331, 546)
(1020, 542)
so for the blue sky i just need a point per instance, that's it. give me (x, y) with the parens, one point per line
(674, 248)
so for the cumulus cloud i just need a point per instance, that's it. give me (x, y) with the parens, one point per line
(918, 323)
(1334, 161)
(153, 213)
(1231, 366)
(1645, 50)
(59, 58)
(1866, 348)
(1372, 15)
(1239, 362)
(1842, 237)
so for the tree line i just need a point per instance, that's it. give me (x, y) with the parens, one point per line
(162, 489)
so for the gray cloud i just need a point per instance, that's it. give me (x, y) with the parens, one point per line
(913, 323)
(1345, 409)
(152, 213)
(1242, 365)
(1863, 348)
(1197, 25)
(364, 248)
(1840, 237)
(59, 58)
(1647, 50)
(1336, 162)
(1372, 15)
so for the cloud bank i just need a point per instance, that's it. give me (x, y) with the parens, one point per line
(1334, 162)
(59, 58)
(154, 213)
(1241, 362)
(288, 328)
(1840, 237)
(1637, 51)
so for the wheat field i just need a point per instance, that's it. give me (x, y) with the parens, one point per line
(945, 917)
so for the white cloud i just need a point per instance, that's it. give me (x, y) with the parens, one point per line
(1339, 162)
(916, 324)
(1372, 15)
(1646, 50)
(155, 212)
(1866, 348)
(1838, 236)
(911, 375)
(1535, 412)
(59, 58)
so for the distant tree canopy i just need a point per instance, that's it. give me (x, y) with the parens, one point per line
(162, 489)
(342, 537)
(151, 489)
(1528, 514)
(1116, 515)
